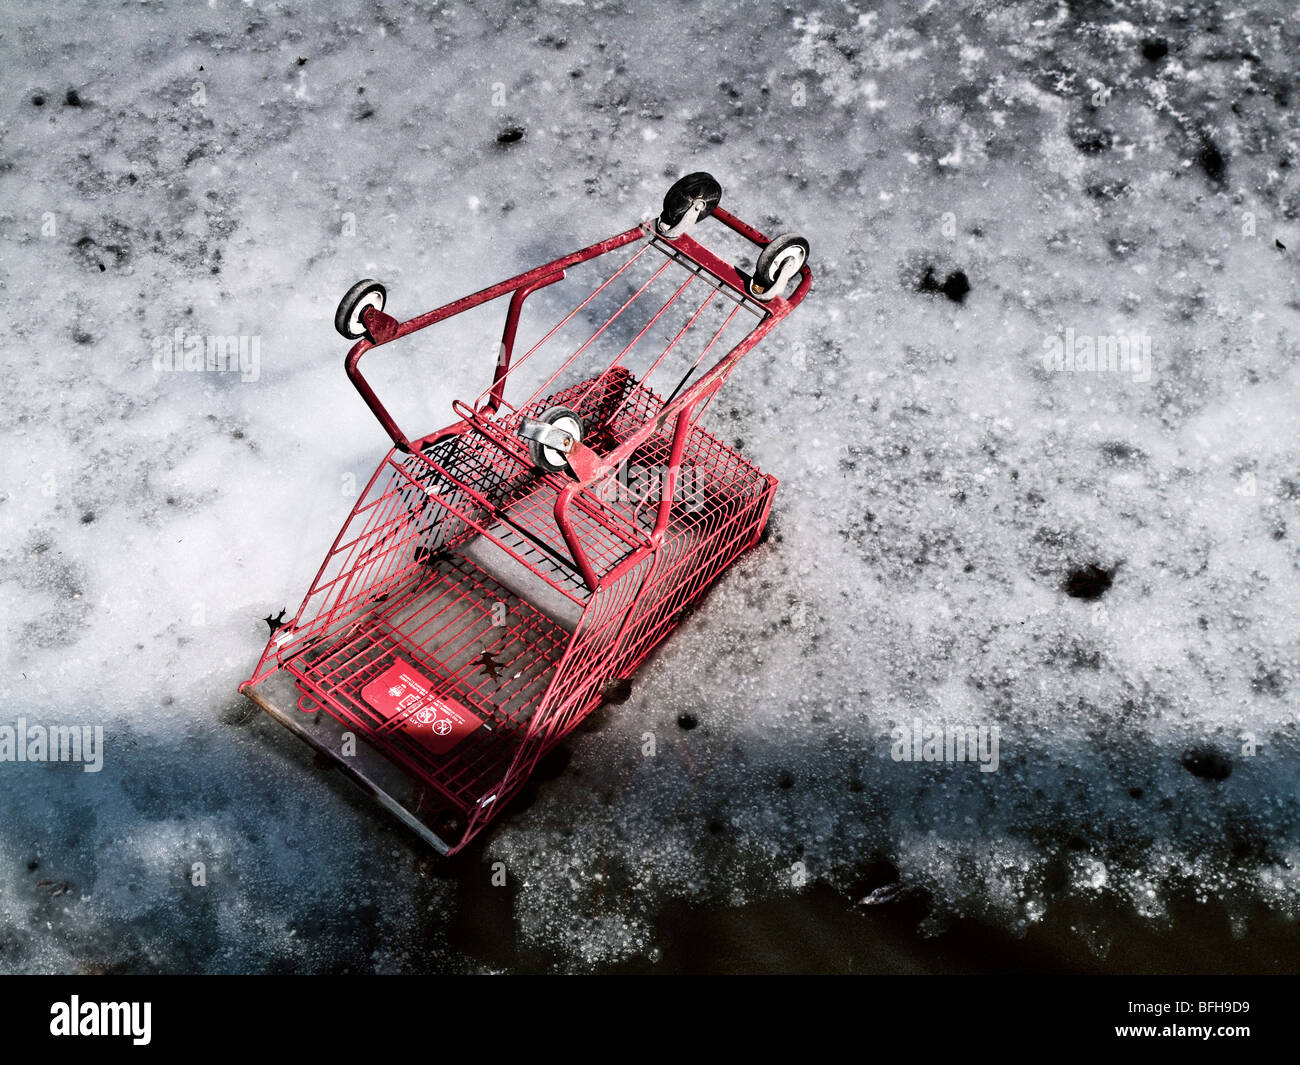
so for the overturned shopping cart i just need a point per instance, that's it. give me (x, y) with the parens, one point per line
(500, 578)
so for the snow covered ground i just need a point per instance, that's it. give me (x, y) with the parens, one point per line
(975, 180)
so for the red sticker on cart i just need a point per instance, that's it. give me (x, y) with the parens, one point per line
(403, 693)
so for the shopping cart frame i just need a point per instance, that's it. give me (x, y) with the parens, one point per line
(675, 420)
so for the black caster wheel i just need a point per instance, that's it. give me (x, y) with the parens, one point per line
(691, 198)
(347, 319)
(551, 459)
(777, 264)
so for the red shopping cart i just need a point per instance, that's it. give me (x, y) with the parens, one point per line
(499, 579)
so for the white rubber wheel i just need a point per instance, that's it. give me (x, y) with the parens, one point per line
(548, 458)
(347, 319)
(780, 261)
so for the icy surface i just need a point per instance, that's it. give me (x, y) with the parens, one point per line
(1104, 168)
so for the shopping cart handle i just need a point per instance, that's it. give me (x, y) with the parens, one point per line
(518, 287)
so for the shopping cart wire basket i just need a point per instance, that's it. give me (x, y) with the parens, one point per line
(499, 578)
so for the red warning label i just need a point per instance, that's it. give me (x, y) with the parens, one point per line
(404, 694)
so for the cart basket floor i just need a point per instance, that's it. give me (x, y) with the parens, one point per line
(442, 675)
